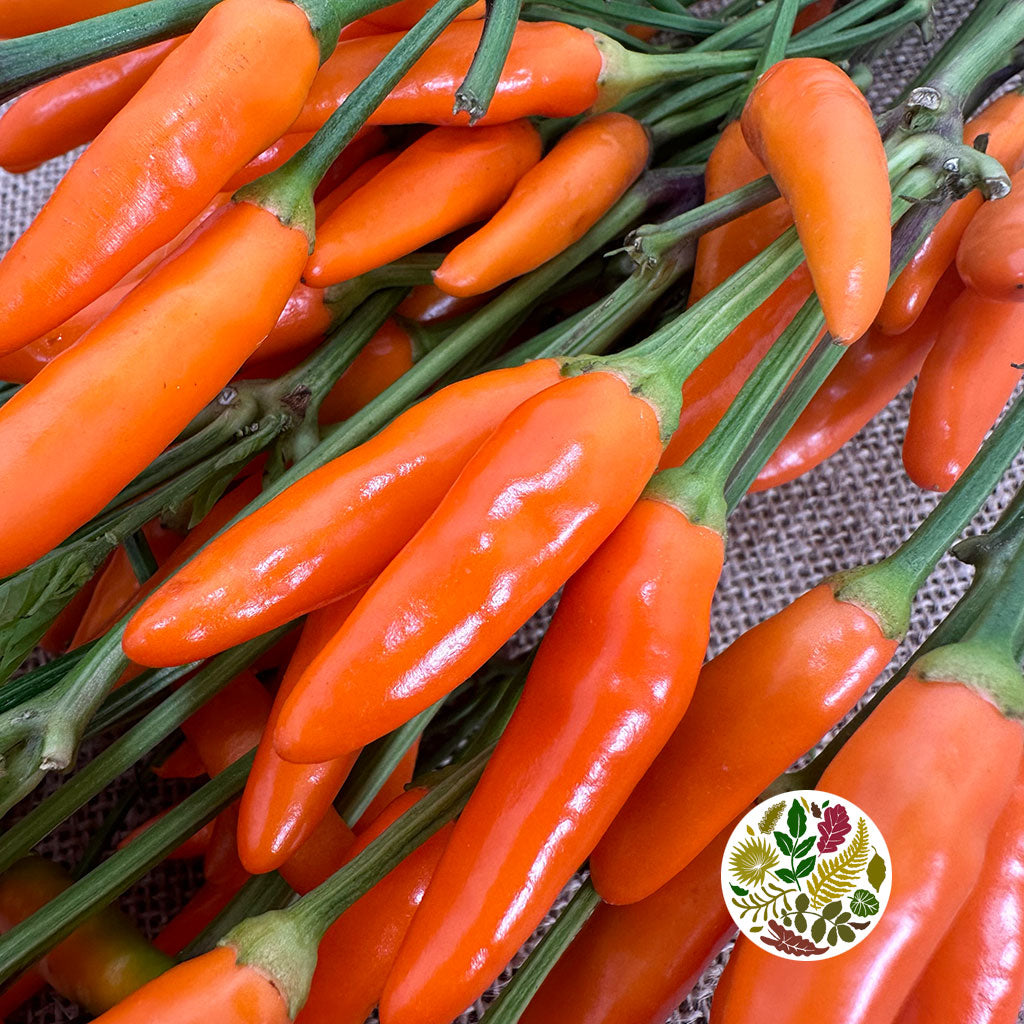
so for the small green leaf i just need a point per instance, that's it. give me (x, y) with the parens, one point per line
(818, 929)
(805, 867)
(800, 923)
(784, 843)
(787, 921)
(739, 892)
(843, 917)
(786, 875)
(756, 928)
(750, 830)
(804, 847)
(833, 936)
(803, 800)
(803, 901)
(825, 804)
(830, 910)
(876, 872)
(796, 820)
(864, 903)
(846, 933)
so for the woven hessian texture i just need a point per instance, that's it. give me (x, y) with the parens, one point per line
(854, 509)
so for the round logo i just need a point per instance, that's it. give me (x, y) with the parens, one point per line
(806, 875)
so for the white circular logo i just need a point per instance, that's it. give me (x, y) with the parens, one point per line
(806, 875)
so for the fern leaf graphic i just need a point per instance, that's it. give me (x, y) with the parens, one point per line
(835, 877)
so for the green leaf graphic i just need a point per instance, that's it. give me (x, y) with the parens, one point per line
(864, 903)
(785, 844)
(771, 818)
(770, 901)
(830, 910)
(838, 875)
(818, 929)
(804, 847)
(846, 933)
(751, 861)
(797, 820)
(876, 872)
(786, 875)
(805, 867)
(802, 902)
(736, 889)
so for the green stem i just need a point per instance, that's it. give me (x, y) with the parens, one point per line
(475, 93)
(140, 556)
(31, 684)
(680, 101)
(639, 14)
(26, 942)
(516, 995)
(775, 47)
(123, 752)
(127, 701)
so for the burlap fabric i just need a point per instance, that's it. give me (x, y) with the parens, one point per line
(854, 509)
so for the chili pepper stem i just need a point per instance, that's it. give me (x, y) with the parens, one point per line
(477, 89)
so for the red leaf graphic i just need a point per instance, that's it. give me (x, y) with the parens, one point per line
(834, 828)
(790, 942)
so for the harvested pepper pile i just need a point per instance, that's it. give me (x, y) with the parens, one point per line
(356, 334)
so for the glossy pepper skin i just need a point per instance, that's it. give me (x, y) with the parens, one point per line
(530, 507)
(869, 376)
(359, 949)
(26, 17)
(102, 961)
(990, 257)
(610, 681)
(355, 181)
(210, 987)
(394, 786)
(636, 964)
(721, 252)
(552, 69)
(551, 206)
(929, 745)
(964, 383)
(812, 128)
(322, 853)
(446, 179)
(1003, 123)
(427, 304)
(283, 802)
(976, 976)
(406, 13)
(154, 167)
(331, 531)
(69, 111)
(183, 331)
(814, 659)
(276, 154)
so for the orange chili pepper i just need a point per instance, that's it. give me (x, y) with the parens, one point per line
(102, 961)
(276, 154)
(721, 252)
(212, 986)
(56, 437)
(551, 206)
(929, 744)
(355, 181)
(182, 763)
(193, 846)
(816, 657)
(406, 13)
(977, 973)
(385, 357)
(446, 179)
(528, 509)
(812, 14)
(552, 69)
(322, 853)
(357, 953)
(427, 304)
(69, 111)
(393, 788)
(283, 802)
(368, 142)
(599, 713)
(963, 385)
(636, 964)
(1003, 123)
(160, 161)
(26, 17)
(811, 127)
(192, 920)
(333, 530)
(868, 377)
(990, 257)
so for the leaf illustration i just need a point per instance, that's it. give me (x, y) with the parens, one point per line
(784, 843)
(864, 903)
(796, 820)
(876, 871)
(805, 867)
(789, 942)
(736, 889)
(834, 828)
(770, 900)
(804, 847)
(803, 800)
(818, 929)
(835, 877)
(815, 810)
(786, 875)
(771, 817)
(751, 861)
(756, 928)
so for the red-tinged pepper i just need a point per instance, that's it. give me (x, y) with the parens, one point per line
(20, 991)
(446, 179)
(182, 763)
(964, 384)
(214, 986)
(69, 111)
(274, 156)
(1002, 122)
(535, 501)
(990, 257)
(193, 919)
(406, 13)
(195, 845)
(636, 964)
(357, 953)
(52, 424)
(393, 788)
(26, 17)
(977, 973)
(591, 720)
(333, 530)
(709, 390)
(102, 961)
(306, 318)
(367, 143)
(355, 181)
(160, 161)
(812, 14)
(869, 376)
(551, 206)
(939, 740)
(221, 863)
(811, 127)
(725, 249)
(427, 304)
(324, 850)
(385, 357)
(283, 802)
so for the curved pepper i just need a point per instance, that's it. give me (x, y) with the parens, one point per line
(26, 17)
(812, 128)
(333, 530)
(990, 257)
(219, 99)
(610, 681)
(406, 13)
(815, 658)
